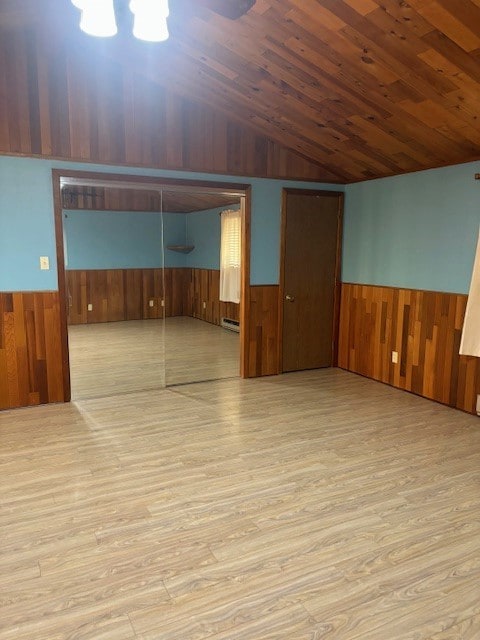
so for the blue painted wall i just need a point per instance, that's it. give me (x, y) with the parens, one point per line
(415, 231)
(127, 240)
(203, 232)
(26, 225)
(174, 233)
(122, 240)
(112, 240)
(27, 221)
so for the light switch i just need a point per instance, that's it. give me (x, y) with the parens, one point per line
(44, 263)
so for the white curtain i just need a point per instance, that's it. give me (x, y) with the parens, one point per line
(230, 255)
(470, 344)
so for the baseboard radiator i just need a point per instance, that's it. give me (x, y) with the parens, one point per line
(232, 325)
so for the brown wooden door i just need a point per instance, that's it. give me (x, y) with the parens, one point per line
(311, 232)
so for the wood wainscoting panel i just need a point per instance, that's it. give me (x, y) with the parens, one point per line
(152, 293)
(424, 327)
(77, 297)
(125, 294)
(137, 294)
(176, 282)
(204, 297)
(263, 331)
(134, 286)
(30, 350)
(106, 294)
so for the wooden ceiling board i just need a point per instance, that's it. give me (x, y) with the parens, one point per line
(125, 199)
(210, 89)
(360, 88)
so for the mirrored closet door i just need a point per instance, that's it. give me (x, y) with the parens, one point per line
(201, 325)
(115, 284)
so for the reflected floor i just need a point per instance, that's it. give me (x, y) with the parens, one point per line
(139, 355)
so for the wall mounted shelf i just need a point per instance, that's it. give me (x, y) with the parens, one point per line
(181, 248)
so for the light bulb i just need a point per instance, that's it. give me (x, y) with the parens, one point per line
(98, 18)
(145, 29)
(150, 22)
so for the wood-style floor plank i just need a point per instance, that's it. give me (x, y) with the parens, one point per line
(139, 355)
(310, 505)
(466, 630)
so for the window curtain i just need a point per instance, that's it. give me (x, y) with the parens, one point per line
(470, 344)
(230, 255)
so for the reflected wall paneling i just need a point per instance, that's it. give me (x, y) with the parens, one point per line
(204, 297)
(133, 279)
(77, 297)
(176, 282)
(30, 351)
(125, 294)
(105, 291)
(115, 294)
(424, 327)
(152, 289)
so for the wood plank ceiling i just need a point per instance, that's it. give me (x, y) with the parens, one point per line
(111, 199)
(363, 88)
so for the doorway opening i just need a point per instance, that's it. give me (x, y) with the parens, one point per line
(148, 314)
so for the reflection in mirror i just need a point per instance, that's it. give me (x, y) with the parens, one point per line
(201, 329)
(115, 289)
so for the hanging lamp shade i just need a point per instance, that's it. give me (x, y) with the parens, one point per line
(150, 21)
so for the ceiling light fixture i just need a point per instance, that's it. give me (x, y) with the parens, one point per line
(98, 17)
(150, 22)
(150, 18)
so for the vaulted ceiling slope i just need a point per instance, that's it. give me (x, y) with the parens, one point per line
(360, 88)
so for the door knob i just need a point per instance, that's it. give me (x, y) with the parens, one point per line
(290, 298)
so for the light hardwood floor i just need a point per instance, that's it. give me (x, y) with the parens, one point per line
(315, 505)
(139, 355)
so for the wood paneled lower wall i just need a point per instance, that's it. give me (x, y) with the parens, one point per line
(30, 337)
(424, 327)
(263, 331)
(203, 297)
(126, 294)
(30, 353)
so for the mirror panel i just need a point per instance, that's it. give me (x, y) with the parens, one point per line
(197, 346)
(113, 242)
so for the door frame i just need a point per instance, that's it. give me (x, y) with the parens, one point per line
(338, 265)
(144, 181)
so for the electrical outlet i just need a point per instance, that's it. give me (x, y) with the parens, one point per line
(478, 404)
(395, 357)
(90, 307)
(163, 303)
(204, 305)
(150, 303)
